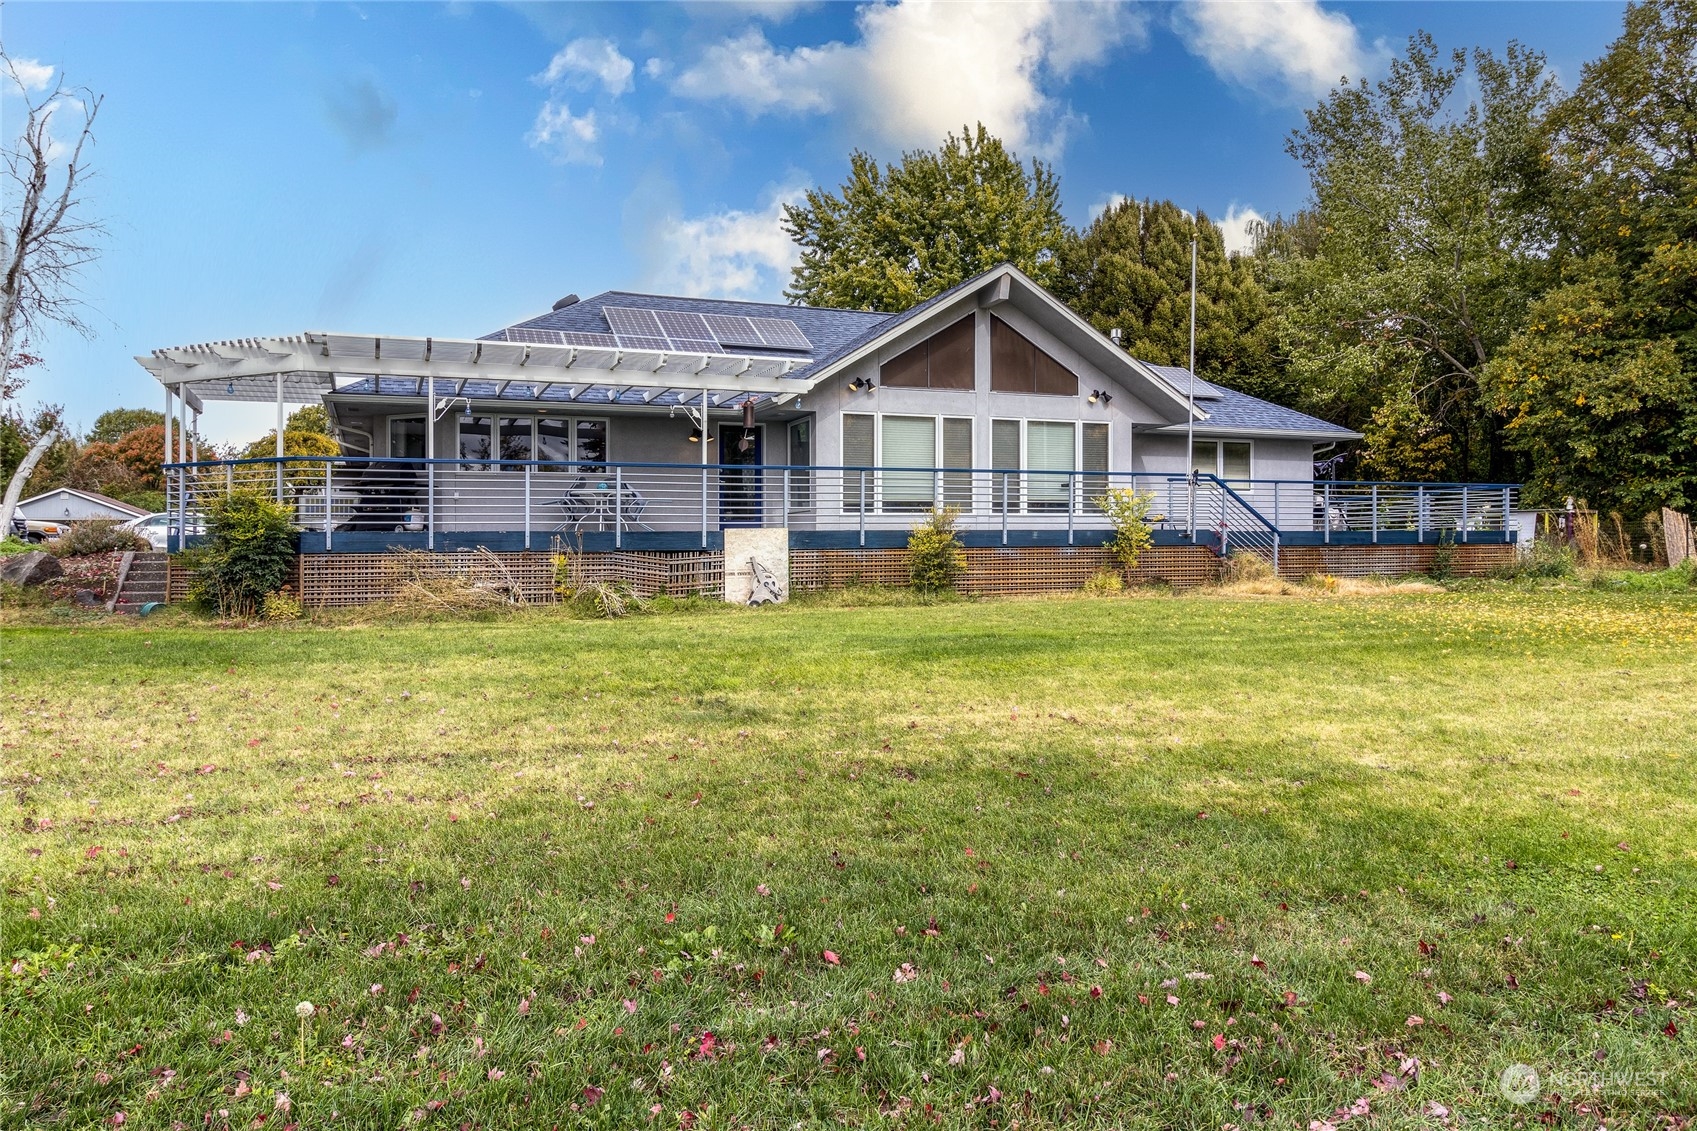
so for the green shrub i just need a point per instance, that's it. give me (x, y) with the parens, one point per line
(96, 536)
(1443, 558)
(250, 554)
(936, 558)
(1128, 510)
(281, 606)
(1104, 583)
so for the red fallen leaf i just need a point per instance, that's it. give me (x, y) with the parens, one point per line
(592, 1095)
(831, 957)
(1670, 1030)
(1219, 1041)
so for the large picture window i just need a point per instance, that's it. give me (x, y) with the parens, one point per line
(556, 442)
(1018, 366)
(945, 360)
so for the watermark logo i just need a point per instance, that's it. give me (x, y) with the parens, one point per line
(1519, 1083)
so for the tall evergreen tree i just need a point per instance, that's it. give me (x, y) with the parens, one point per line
(1130, 271)
(898, 234)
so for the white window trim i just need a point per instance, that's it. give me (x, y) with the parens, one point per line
(876, 504)
(1219, 472)
(495, 419)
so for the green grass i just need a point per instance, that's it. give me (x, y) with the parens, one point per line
(568, 849)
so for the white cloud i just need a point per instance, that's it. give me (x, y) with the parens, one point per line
(584, 62)
(731, 254)
(1111, 200)
(1293, 46)
(570, 139)
(32, 75)
(1234, 229)
(924, 68)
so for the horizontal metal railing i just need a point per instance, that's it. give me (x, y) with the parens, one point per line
(536, 499)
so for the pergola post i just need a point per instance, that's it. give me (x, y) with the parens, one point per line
(280, 420)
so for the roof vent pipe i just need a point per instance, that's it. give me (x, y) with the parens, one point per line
(565, 302)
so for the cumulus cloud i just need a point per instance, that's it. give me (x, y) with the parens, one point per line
(923, 68)
(362, 112)
(584, 63)
(1235, 229)
(730, 254)
(1295, 46)
(31, 74)
(571, 140)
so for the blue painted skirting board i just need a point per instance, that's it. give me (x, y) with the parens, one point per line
(506, 541)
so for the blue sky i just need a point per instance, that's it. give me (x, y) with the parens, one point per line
(450, 168)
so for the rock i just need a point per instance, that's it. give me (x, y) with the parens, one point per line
(30, 568)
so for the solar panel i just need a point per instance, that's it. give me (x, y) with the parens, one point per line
(589, 338)
(627, 322)
(733, 330)
(781, 333)
(532, 337)
(682, 325)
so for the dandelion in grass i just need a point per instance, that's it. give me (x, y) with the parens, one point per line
(304, 1011)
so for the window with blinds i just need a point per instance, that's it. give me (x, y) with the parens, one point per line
(943, 361)
(1018, 366)
(1005, 491)
(857, 454)
(1049, 449)
(909, 442)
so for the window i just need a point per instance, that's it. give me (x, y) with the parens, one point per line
(1018, 366)
(909, 442)
(943, 361)
(857, 454)
(556, 442)
(1049, 448)
(801, 455)
(1228, 459)
(1004, 459)
(406, 437)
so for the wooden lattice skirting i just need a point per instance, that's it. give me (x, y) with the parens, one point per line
(325, 580)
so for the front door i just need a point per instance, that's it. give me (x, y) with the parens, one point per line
(741, 494)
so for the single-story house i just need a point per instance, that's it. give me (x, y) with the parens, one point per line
(69, 504)
(652, 420)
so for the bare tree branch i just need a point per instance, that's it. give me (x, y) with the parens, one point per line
(45, 237)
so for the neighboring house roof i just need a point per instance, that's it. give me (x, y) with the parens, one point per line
(92, 496)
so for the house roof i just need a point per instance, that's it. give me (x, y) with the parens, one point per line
(1231, 411)
(91, 496)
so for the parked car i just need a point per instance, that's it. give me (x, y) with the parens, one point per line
(37, 529)
(160, 528)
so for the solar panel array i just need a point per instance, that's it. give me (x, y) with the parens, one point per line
(673, 331)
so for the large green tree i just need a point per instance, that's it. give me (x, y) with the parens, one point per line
(1601, 383)
(1425, 242)
(894, 235)
(114, 423)
(1130, 271)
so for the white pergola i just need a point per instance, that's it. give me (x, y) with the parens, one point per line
(303, 368)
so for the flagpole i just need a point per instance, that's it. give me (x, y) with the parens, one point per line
(1190, 387)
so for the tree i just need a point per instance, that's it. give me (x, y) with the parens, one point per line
(1602, 381)
(1130, 270)
(899, 234)
(114, 423)
(45, 238)
(1429, 241)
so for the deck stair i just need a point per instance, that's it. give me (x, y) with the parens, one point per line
(142, 578)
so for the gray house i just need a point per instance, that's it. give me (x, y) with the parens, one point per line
(633, 420)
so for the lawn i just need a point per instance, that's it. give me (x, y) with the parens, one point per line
(1176, 862)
